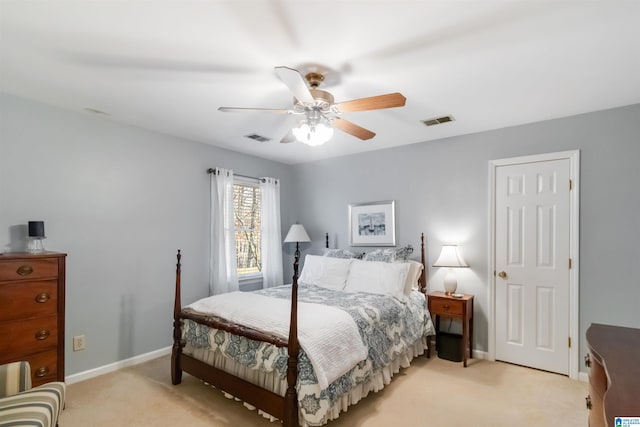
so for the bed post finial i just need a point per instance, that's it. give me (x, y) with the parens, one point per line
(177, 306)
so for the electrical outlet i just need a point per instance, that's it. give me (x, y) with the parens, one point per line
(79, 343)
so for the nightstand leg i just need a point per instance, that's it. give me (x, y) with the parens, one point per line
(470, 340)
(465, 342)
(470, 316)
(437, 331)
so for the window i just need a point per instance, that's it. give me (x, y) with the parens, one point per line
(246, 204)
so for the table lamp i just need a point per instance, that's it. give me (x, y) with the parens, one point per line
(297, 234)
(450, 257)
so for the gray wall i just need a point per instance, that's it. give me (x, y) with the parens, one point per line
(441, 189)
(119, 201)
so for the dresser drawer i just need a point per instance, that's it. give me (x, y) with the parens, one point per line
(22, 300)
(44, 367)
(28, 269)
(444, 307)
(23, 337)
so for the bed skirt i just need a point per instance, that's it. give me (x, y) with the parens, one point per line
(273, 382)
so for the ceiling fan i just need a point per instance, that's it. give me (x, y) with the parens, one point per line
(320, 114)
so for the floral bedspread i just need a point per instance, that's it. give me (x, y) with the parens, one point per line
(387, 327)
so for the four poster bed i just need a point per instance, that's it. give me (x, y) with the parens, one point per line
(302, 353)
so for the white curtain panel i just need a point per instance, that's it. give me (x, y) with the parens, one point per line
(223, 276)
(271, 237)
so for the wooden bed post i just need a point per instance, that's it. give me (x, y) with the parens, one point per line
(293, 348)
(176, 367)
(423, 277)
(422, 281)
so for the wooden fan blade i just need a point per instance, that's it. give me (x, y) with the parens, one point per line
(389, 100)
(352, 129)
(296, 84)
(288, 138)
(269, 110)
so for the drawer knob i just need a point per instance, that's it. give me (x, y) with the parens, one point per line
(446, 306)
(24, 270)
(587, 361)
(588, 402)
(41, 371)
(42, 334)
(42, 297)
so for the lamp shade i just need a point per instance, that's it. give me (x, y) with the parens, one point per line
(297, 233)
(36, 229)
(450, 257)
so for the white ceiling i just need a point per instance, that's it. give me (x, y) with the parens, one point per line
(168, 65)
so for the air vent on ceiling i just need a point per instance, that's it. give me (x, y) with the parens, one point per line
(257, 137)
(438, 120)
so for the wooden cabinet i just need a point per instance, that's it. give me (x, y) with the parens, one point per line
(444, 305)
(614, 374)
(32, 290)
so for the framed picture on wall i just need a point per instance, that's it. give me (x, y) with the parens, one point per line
(372, 224)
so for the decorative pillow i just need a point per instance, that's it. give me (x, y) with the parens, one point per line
(377, 277)
(341, 253)
(379, 255)
(327, 272)
(403, 253)
(389, 255)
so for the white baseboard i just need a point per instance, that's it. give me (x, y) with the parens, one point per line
(477, 354)
(583, 376)
(92, 373)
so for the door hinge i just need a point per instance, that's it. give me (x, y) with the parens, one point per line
(570, 184)
(569, 342)
(570, 263)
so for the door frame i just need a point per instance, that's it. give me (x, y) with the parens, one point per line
(574, 250)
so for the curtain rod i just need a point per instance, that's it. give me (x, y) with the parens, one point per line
(212, 170)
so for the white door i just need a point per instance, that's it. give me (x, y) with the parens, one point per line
(532, 241)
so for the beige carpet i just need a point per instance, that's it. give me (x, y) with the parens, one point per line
(432, 392)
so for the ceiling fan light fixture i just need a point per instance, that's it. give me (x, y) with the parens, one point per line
(321, 113)
(313, 134)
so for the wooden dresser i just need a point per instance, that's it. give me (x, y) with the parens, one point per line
(32, 288)
(614, 374)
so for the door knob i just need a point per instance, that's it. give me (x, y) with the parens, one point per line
(502, 275)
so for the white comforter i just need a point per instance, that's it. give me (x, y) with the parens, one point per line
(328, 335)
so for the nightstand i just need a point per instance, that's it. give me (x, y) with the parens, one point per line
(444, 305)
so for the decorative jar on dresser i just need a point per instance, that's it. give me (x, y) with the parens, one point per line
(32, 290)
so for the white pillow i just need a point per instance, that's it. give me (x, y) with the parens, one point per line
(327, 272)
(376, 277)
(415, 269)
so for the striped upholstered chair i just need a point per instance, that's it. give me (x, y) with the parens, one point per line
(21, 405)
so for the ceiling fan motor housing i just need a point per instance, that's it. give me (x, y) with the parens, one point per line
(314, 79)
(322, 102)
